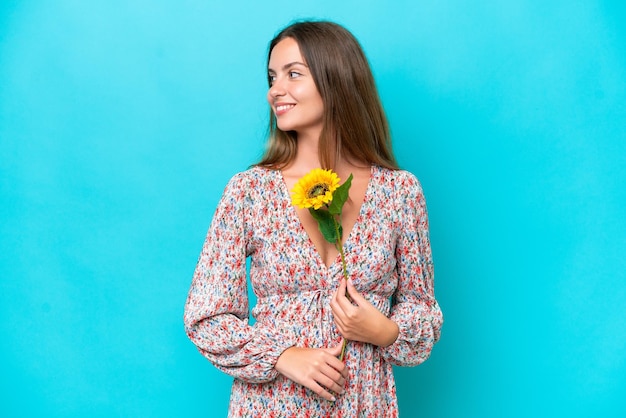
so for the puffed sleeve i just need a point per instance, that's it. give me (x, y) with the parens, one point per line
(414, 307)
(216, 312)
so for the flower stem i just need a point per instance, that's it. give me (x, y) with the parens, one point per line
(339, 247)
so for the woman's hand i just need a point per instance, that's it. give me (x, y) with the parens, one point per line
(318, 369)
(359, 320)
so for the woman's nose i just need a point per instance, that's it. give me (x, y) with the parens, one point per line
(277, 88)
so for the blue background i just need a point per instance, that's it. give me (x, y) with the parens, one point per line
(121, 122)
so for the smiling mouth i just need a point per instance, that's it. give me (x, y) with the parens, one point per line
(284, 108)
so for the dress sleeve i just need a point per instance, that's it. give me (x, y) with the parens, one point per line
(216, 312)
(414, 307)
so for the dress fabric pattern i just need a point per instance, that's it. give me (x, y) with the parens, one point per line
(389, 260)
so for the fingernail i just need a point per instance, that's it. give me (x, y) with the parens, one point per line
(333, 399)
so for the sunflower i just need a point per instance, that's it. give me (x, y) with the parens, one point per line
(315, 189)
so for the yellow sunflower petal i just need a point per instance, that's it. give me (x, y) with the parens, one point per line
(315, 189)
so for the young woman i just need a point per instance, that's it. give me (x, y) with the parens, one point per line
(325, 112)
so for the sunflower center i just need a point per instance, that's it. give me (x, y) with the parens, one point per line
(317, 190)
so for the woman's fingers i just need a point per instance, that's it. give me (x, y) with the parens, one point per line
(354, 294)
(332, 380)
(347, 297)
(341, 290)
(358, 320)
(334, 350)
(320, 391)
(347, 312)
(339, 301)
(317, 369)
(334, 362)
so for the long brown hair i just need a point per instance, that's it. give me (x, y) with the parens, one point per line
(355, 125)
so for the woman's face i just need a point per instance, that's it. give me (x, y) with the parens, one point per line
(293, 95)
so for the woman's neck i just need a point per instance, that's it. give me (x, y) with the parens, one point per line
(307, 158)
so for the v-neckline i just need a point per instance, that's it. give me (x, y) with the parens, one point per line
(302, 230)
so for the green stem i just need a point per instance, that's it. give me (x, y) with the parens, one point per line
(339, 247)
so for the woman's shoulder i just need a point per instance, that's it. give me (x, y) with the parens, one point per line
(252, 175)
(254, 180)
(397, 179)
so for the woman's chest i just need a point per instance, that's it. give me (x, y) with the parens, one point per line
(285, 259)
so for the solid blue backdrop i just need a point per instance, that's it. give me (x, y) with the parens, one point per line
(121, 122)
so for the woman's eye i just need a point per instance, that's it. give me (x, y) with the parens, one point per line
(271, 78)
(294, 74)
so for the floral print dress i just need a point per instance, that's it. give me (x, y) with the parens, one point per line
(389, 260)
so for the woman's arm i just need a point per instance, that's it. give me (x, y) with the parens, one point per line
(414, 307)
(407, 336)
(216, 312)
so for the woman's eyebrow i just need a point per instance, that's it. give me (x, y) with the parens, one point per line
(289, 65)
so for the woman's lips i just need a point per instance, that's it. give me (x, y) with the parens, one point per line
(282, 108)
